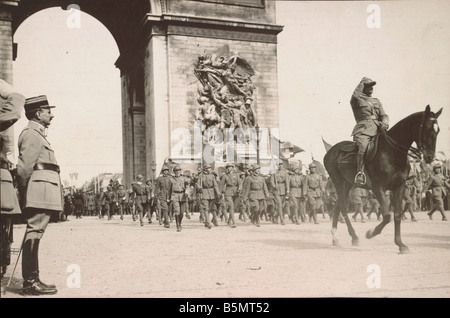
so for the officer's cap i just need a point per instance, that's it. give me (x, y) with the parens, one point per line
(35, 103)
(368, 82)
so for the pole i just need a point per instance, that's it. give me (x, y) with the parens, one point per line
(17, 260)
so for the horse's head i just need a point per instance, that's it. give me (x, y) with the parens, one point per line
(428, 132)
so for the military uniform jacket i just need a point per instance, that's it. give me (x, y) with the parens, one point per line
(357, 194)
(255, 188)
(11, 105)
(38, 188)
(178, 188)
(296, 185)
(437, 183)
(313, 185)
(368, 113)
(230, 184)
(279, 182)
(110, 197)
(162, 187)
(122, 196)
(140, 193)
(207, 186)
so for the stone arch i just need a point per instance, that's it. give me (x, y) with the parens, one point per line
(121, 18)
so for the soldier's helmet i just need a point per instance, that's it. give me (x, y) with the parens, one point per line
(177, 168)
(229, 165)
(109, 188)
(187, 172)
(312, 165)
(165, 167)
(255, 167)
(121, 186)
(206, 166)
(140, 177)
(436, 166)
(367, 81)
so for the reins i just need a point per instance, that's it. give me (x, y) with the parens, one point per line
(411, 151)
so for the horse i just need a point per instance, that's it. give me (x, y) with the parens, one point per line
(386, 169)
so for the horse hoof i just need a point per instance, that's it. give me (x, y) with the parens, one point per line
(355, 242)
(404, 250)
(369, 234)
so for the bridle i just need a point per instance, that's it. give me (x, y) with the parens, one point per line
(411, 151)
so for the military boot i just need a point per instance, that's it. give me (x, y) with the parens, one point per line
(30, 272)
(360, 178)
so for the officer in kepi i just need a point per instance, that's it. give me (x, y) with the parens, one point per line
(11, 105)
(370, 119)
(40, 189)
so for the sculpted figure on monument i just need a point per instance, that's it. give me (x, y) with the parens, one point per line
(225, 86)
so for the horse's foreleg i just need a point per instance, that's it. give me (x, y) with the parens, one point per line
(397, 202)
(381, 197)
(351, 230)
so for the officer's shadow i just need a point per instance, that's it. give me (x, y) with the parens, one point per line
(15, 286)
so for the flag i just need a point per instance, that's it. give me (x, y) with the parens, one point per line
(288, 149)
(320, 169)
(327, 145)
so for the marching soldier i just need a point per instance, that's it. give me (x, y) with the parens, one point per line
(122, 200)
(208, 189)
(147, 206)
(358, 197)
(177, 193)
(411, 188)
(162, 194)
(110, 202)
(139, 197)
(255, 191)
(279, 182)
(374, 205)
(190, 193)
(437, 184)
(297, 202)
(11, 105)
(230, 186)
(313, 187)
(244, 207)
(40, 189)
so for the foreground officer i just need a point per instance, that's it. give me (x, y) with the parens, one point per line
(255, 190)
(11, 105)
(40, 189)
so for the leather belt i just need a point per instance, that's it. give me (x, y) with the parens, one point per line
(374, 117)
(178, 191)
(4, 165)
(46, 166)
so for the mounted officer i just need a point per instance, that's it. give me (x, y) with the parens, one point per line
(370, 118)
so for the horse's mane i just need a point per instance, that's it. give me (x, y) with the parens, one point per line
(404, 125)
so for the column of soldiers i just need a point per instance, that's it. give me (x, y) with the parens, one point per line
(284, 194)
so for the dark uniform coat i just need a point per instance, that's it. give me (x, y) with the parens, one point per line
(207, 186)
(230, 184)
(11, 105)
(38, 188)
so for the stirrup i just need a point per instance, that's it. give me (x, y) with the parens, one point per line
(363, 176)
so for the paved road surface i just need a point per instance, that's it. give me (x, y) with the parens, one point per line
(122, 259)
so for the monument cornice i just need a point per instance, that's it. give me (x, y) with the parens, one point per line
(185, 25)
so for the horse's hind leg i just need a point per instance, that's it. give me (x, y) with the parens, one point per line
(343, 207)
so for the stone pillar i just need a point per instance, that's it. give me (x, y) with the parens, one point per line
(156, 80)
(6, 57)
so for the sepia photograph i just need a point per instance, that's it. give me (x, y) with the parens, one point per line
(223, 155)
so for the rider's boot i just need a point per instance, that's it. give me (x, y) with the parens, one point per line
(360, 178)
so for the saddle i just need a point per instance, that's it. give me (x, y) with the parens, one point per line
(347, 154)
